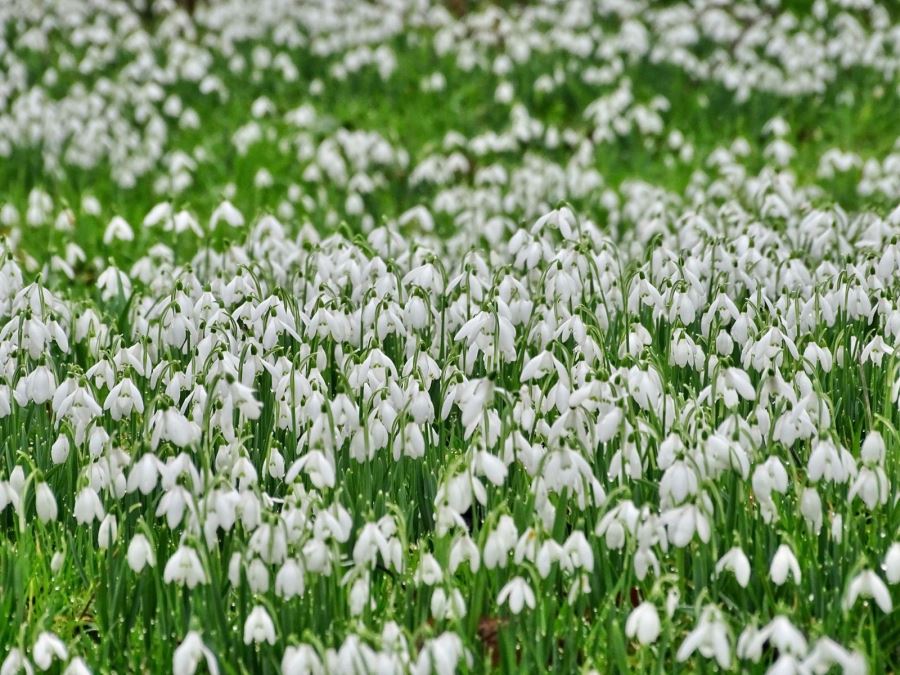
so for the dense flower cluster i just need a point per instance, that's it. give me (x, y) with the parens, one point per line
(644, 426)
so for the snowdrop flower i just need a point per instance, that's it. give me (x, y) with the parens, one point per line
(183, 221)
(46, 648)
(77, 666)
(259, 627)
(88, 507)
(784, 563)
(187, 656)
(871, 485)
(826, 461)
(429, 571)
(38, 387)
(811, 508)
(837, 528)
(226, 212)
(123, 399)
(59, 451)
(289, 582)
(827, 653)
(45, 503)
(780, 633)
(892, 564)
(257, 576)
(112, 282)
(710, 638)
(441, 655)
(736, 561)
(184, 568)
(447, 606)
(867, 584)
(118, 229)
(160, 213)
(15, 662)
(499, 543)
(518, 594)
(301, 660)
(140, 553)
(643, 623)
(360, 595)
(171, 425)
(108, 531)
(464, 550)
(872, 451)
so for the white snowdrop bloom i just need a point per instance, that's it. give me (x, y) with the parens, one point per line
(360, 595)
(315, 465)
(711, 638)
(643, 623)
(736, 561)
(123, 399)
(38, 387)
(188, 656)
(160, 213)
(171, 425)
(5, 405)
(229, 214)
(447, 606)
(892, 564)
(827, 653)
(16, 662)
(491, 467)
(779, 632)
(77, 666)
(59, 451)
(182, 221)
(769, 477)
(257, 576)
(464, 550)
(683, 522)
(429, 571)
(678, 483)
(872, 451)
(784, 564)
(275, 464)
(871, 486)
(47, 648)
(578, 551)
(184, 568)
(45, 503)
(259, 627)
(867, 584)
(441, 655)
(837, 527)
(500, 543)
(118, 229)
(113, 283)
(518, 594)
(108, 531)
(144, 474)
(301, 659)
(645, 387)
(290, 581)
(811, 508)
(828, 462)
(140, 553)
(88, 507)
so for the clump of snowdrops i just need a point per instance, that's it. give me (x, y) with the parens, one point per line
(319, 399)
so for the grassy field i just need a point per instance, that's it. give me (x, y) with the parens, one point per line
(404, 336)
